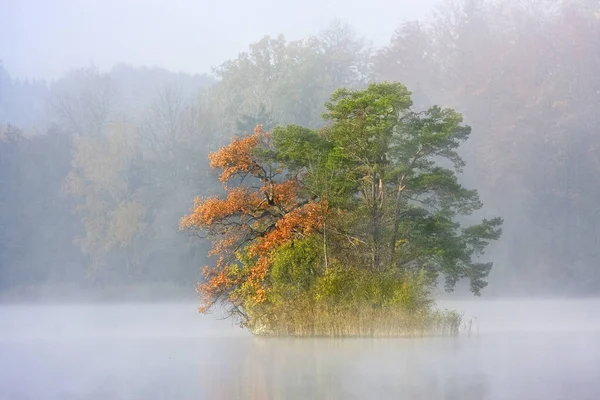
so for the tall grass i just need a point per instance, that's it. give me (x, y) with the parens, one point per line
(348, 302)
(363, 321)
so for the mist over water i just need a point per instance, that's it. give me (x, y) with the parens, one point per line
(518, 349)
(110, 109)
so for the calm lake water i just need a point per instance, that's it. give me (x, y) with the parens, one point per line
(537, 350)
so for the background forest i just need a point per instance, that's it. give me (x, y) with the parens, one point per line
(97, 168)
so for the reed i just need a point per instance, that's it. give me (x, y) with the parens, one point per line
(350, 302)
(357, 321)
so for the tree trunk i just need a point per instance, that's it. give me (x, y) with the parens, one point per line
(377, 194)
(396, 219)
(325, 243)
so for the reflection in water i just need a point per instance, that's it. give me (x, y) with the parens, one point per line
(277, 369)
(546, 350)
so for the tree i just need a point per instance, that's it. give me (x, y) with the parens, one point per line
(250, 221)
(132, 164)
(246, 123)
(177, 134)
(290, 80)
(105, 179)
(22, 102)
(11, 239)
(394, 155)
(35, 220)
(85, 101)
(304, 207)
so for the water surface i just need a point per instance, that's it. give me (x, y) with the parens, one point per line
(517, 350)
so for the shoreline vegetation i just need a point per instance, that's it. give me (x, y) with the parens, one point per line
(363, 322)
(344, 230)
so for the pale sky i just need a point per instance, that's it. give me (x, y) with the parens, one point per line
(45, 38)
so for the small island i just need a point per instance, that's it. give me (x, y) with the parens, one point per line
(345, 230)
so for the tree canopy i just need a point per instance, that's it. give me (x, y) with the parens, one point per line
(365, 195)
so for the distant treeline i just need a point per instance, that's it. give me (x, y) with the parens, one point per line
(97, 168)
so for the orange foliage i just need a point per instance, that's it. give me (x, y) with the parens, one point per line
(208, 211)
(238, 157)
(216, 282)
(284, 194)
(300, 222)
(257, 221)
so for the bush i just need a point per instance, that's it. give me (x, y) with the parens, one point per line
(305, 299)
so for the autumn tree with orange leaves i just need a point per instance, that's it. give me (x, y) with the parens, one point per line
(253, 220)
(344, 230)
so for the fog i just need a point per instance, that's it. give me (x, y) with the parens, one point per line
(132, 127)
(42, 40)
(108, 111)
(517, 349)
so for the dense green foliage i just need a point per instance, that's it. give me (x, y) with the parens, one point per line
(306, 299)
(353, 224)
(383, 161)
